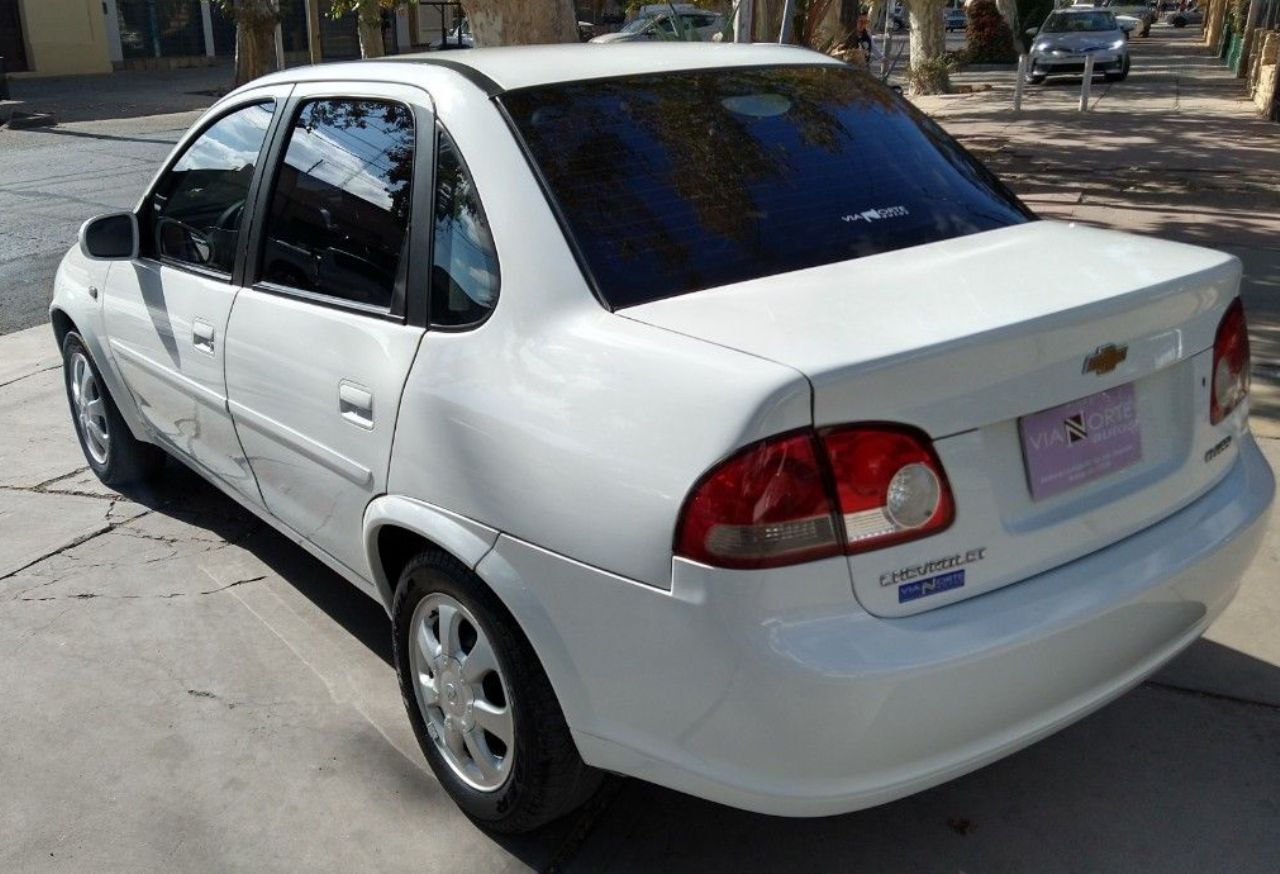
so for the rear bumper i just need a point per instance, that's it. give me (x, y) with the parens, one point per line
(777, 693)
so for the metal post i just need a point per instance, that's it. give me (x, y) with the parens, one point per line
(788, 13)
(206, 25)
(4, 80)
(886, 42)
(1087, 83)
(1018, 85)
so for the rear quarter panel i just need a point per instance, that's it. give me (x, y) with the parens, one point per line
(556, 421)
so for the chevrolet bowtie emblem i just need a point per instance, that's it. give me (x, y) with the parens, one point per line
(1105, 359)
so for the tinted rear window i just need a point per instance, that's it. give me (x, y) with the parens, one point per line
(676, 182)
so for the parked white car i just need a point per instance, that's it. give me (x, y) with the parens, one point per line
(769, 479)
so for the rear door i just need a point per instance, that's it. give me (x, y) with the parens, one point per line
(322, 340)
(166, 311)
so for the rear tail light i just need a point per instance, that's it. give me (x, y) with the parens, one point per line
(889, 483)
(807, 495)
(1231, 362)
(765, 506)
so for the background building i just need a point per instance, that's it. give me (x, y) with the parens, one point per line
(67, 37)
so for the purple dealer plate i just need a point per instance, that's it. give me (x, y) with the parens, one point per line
(1078, 442)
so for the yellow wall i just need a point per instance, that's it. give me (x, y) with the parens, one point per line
(65, 37)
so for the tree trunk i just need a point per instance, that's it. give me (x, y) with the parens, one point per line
(519, 22)
(766, 21)
(255, 38)
(1009, 12)
(369, 28)
(928, 30)
(873, 15)
(928, 45)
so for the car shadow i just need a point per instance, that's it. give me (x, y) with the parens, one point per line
(1168, 778)
(183, 495)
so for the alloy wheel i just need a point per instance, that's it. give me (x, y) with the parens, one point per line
(91, 413)
(461, 692)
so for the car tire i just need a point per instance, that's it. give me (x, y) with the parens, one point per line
(1036, 80)
(1179, 22)
(115, 456)
(544, 777)
(1120, 76)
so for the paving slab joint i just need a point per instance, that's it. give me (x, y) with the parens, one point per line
(1216, 696)
(89, 596)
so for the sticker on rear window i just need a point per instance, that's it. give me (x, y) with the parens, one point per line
(932, 586)
(875, 215)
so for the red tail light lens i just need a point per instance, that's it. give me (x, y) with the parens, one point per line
(775, 502)
(1231, 363)
(889, 484)
(765, 506)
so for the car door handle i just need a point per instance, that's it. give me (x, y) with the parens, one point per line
(202, 336)
(355, 403)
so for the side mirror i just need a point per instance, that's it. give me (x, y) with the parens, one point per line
(110, 237)
(1031, 31)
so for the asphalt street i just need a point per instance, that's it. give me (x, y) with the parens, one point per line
(52, 180)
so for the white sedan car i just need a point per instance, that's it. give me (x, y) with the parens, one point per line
(771, 479)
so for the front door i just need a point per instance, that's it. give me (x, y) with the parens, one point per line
(166, 312)
(319, 345)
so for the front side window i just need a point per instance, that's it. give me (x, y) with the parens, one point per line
(674, 182)
(339, 213)
(464, 266)
(197, 208)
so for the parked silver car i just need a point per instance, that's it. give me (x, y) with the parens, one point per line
(1068, 36)
(681, 21)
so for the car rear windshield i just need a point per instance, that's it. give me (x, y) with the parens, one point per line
(675, 182)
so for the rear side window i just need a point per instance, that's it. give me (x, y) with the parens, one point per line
(340, 207)
(676, 182)
(464, 266)
(197, 207)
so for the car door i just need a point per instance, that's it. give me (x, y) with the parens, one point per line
(166, 311)
(321, 341)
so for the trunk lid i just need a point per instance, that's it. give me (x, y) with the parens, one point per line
(966, 339)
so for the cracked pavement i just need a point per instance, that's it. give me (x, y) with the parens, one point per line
(183, 689)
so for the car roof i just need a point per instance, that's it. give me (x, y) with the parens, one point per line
(505, 69)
